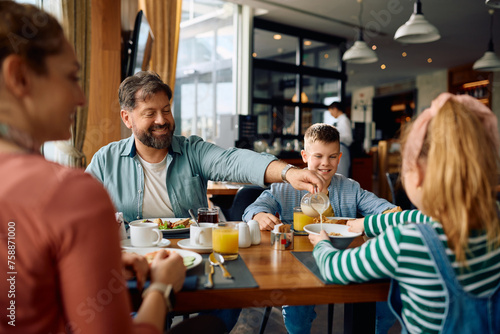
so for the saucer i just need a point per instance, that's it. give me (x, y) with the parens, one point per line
(162, 244)
(186, 244)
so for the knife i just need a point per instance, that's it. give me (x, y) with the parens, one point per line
(209, 270)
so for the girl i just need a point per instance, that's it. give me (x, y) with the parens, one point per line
(444, 270)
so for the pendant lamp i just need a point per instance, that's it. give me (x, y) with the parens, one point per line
(490, 61)
(493, 3)
(417, 29)
(360, 53)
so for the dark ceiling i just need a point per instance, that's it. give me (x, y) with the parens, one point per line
(463, 25)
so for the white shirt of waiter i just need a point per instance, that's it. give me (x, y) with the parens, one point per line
(343, 124)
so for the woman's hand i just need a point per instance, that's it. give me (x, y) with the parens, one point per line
(168, 268)
(314, 238)
(356, 225)
(266, 221)
(135, 265)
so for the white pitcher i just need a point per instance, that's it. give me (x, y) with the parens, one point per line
(244, 238)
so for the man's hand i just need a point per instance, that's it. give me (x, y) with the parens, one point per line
(356, 225)
(135, 265)
(168, 268)
(300, 179)
(314, 238)
(305, 179)
(266, 221)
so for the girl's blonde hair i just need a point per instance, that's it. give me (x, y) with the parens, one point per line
(461, 171)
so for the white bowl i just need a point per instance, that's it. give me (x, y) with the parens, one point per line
(339, 242)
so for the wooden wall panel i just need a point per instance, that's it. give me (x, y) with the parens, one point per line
(103, 124)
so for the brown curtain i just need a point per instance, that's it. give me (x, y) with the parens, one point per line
(164, 16)
(77, 26)
(74, 16)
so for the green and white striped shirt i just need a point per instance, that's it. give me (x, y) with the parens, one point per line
(399, 252)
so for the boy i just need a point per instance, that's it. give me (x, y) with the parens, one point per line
(322, 155)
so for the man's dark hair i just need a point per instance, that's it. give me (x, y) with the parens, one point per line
(148, 82)
(337, 105)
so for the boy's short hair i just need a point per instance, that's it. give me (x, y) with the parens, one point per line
(323, 132)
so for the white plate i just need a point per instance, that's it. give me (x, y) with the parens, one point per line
(143, 251)
(172, 231)
(186, 244)
(162, 244)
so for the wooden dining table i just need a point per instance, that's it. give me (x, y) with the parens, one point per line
(284, 280)
(223, 188)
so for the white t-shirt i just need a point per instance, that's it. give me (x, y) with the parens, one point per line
(156, 202)
(343, 124)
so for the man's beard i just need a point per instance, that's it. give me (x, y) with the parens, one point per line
(158, 142)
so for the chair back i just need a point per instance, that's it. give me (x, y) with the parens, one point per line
(243, 198)
(398, 193)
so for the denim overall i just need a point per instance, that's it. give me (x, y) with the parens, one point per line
(466, 313)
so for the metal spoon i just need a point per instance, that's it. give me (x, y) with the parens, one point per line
(193, 217)
(218, 260)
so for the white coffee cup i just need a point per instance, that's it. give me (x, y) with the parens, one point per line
(144, 234)
(201, 236)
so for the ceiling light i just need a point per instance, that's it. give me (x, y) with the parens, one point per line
(489, 61)
(404, 54)
(303, 98)
(429, 60)
(417, 29)
(277, 36)
(383, 66)
(360, 53)
(493, 3)
(374, 47)
(307, 43)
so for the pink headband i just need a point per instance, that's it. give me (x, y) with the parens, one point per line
(416, 136)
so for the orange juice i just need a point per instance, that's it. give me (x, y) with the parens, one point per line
(225, 240)
(300, 220)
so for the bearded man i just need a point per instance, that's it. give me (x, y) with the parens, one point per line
(155, 173)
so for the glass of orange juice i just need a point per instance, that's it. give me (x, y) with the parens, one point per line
(300, 219)
(225, 240)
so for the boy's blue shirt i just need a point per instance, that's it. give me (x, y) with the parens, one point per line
(346, 197)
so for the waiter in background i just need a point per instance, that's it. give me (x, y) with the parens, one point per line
(343, 124)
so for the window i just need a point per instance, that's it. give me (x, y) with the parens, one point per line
(296, 74)
(204, 88)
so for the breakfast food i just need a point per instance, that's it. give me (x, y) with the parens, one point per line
(331, 221)
(188, 260)
(334, 234)
(150, 256)
(169, 225)
(395, 209)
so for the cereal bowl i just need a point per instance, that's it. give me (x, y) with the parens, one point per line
(341, 241)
